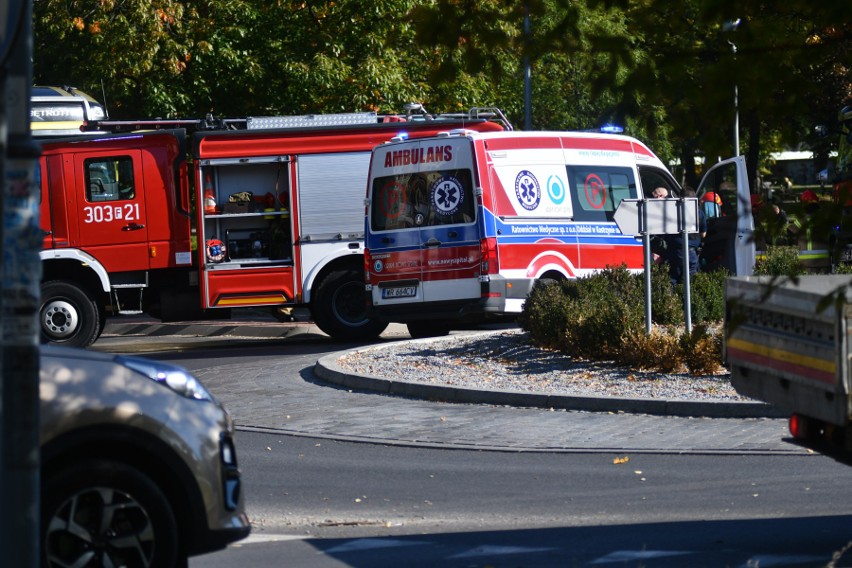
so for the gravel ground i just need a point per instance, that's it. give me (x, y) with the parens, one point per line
(505, 360)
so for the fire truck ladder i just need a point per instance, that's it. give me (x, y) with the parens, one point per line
(124, 300)
(414, 112)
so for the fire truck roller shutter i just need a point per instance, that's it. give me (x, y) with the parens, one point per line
(331, 187)
(339, 306)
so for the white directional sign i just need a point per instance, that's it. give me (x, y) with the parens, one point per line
(663, 216)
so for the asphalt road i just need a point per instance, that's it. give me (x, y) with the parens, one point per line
(324, 503)
(341, 478)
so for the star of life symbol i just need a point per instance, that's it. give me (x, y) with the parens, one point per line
(447, 195)
(527, 190)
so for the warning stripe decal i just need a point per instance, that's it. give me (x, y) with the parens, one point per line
(821, 370)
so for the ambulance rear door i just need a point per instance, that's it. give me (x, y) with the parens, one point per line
(421, 228)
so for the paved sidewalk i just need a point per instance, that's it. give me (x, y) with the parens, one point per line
(270, 397)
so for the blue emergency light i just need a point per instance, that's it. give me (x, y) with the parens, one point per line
(612, 129)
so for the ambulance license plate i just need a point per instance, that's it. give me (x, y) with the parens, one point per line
(400, 292)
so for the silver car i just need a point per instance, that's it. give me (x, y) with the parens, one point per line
(138, 463)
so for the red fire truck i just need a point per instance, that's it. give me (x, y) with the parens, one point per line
(183, 219)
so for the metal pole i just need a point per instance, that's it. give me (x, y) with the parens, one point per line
(731, 26)
(687, 299)
(20, 274)
(736, 112)
(646, 246)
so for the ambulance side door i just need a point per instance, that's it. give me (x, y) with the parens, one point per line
(729, 242)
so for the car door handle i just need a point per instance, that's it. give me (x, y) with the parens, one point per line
(433, 242)
(133, 227)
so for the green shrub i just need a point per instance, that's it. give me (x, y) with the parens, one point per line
(657, 351)
(666, 304)
(602, 317)
(842, 268)
(779, 261)
(701, 350)
(545, 314)
(707, 295)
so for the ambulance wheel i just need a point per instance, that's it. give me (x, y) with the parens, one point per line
(68, 315)
(339, 307)
(418, 329)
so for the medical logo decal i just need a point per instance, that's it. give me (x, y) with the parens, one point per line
(595, 191)
(447, 195)
(378, 266)
(556, 190)
(527, 190)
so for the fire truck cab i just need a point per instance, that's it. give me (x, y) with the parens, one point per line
(459, 227)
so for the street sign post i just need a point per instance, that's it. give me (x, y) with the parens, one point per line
(646, 217)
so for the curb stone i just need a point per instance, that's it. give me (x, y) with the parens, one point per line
(329, 369)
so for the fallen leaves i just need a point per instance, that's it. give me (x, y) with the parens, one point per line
(621, 460)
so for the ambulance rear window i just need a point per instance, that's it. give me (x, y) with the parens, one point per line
(597, 190)
(422, 199)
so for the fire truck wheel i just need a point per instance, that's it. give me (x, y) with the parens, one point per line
(68, 315)
(418, 329)
(339, 307)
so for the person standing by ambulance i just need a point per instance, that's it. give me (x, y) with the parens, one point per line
(674, 246)
(658, 242)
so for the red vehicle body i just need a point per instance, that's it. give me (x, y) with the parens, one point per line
(178, 225)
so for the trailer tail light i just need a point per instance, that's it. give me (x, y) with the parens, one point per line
(797, 426)
(489, 263)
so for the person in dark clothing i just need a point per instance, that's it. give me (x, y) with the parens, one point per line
(674, 246)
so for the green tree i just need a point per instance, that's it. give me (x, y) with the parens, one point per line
(671, 67)
(241, 57)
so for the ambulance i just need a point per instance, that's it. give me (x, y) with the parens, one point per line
(459, 227)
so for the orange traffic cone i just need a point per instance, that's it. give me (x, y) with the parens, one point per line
(210, 203)
(210, 206)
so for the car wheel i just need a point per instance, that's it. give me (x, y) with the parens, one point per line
(340, 308)
(68, 315)
(103, 513)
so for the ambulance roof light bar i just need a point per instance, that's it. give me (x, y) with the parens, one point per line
(610, 128)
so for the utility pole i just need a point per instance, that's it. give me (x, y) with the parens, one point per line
(731, 26)
(527, 71)
(20, 274)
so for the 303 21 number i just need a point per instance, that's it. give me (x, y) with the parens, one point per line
(109, 213)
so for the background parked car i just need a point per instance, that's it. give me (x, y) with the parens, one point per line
(139, 467)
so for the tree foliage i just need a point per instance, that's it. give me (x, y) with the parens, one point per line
(665, 70)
